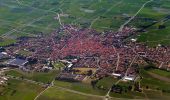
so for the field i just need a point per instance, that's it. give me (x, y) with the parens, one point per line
(161, 72)
(36, 76)
(29, 17)
(153, 83)
(81, 87)
(61, 94)
(19, 90)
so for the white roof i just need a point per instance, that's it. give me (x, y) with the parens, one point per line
(4, 53)
(65, 61)
(115, 74)
(133, 40)
(129, 78)
(70, 65)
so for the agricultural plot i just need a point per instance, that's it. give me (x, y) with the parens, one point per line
(19, 90)
(80, 87)
(159, 72)
(29, 17)
(154, 20)
(39, 77)
(62, 94)
(153, 83)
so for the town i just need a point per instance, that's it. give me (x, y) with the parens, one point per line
(84, 53)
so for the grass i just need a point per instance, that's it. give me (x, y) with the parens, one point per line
(6, 42)
(85, 88)
(59, 65)
(19, 90)
(36, 76)
(161, 72)
(110, 14)
(106, 82)
(128, 95)
(153, 83)
(61, 94)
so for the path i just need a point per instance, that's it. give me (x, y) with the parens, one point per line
(129, 20)
(107, 96)
(30, 23)
(131, 65)
(159, 77)
(105, 13)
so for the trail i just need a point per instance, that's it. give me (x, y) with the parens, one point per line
(131, 64)
(41, 93)
(59, 20)
(118, 60)
(93, 22)
(107, 96)
(105, 13)
(51, 85)
(159, 77)
(58, 87)
(20, 3)
(122, 26)
(24, 25)
(77, 92)
(30, 23)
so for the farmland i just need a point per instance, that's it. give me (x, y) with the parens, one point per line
(19, 90)
(29, 17)
(39, 77)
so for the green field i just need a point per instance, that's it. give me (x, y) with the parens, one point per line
(153, 83)
(19, 90)
(81, 87)
(106, 82)
(161, 72)
(30, 17)
(61, 94)
(36, 76)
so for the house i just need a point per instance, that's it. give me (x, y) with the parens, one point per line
(129, 78)
(3, 55)
(117, 75)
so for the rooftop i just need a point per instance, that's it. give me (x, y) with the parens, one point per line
(17, 62)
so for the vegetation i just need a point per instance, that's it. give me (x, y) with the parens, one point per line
(30, 19)
(148, 82)
(19, 90)
(61, 94)
(85, 88)
(36, 76)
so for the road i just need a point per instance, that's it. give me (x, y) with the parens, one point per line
(31, 22)
(24, 25)
(129, 20)
(108, 10)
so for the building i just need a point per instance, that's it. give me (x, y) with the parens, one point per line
(129, 78)
(3, 55)
(17, 62)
